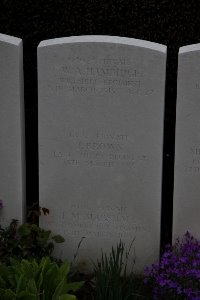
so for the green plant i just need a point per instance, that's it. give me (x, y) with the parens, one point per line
(30, 280)
(26, 241)
(112, 279)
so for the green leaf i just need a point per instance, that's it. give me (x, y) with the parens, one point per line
(64, 270)
(40, 281)
(2, 282)
(67, 297)
(58, 238)
(24, 229)
(24, 295)
(59, 290)
(74, 286)
(7, 294)
(42, 240)
(31, 287)
(50, 281)
(35, 228)
(46, 234)
(27, 268)
(21, 283)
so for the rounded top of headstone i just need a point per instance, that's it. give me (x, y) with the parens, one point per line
(104, 39)
(10, 39)
(189, 48)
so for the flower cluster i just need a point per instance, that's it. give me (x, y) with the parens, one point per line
(177, 276)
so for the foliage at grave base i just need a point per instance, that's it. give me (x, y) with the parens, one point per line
(26, 241)
(177, 276)
(112, 279)
(30, 280)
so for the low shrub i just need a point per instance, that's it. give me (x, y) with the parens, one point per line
(26, 241)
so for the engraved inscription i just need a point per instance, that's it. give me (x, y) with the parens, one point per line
(98, 149)
(197, 85)
(102, 222)
(92, 75)
(194, 166)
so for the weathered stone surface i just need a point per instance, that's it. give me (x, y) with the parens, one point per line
(186, 214)
(101, 105)
(12, 154)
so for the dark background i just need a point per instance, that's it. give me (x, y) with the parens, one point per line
(172, 23)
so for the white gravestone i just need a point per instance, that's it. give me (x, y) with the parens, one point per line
(12, 160)
(101, 104)
(186, 215)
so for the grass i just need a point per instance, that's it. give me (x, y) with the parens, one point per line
(111, 280)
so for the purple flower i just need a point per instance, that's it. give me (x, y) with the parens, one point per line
(177, 275)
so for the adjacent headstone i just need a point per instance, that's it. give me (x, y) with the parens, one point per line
(12, 166)
(186, 214)
(101, 106)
